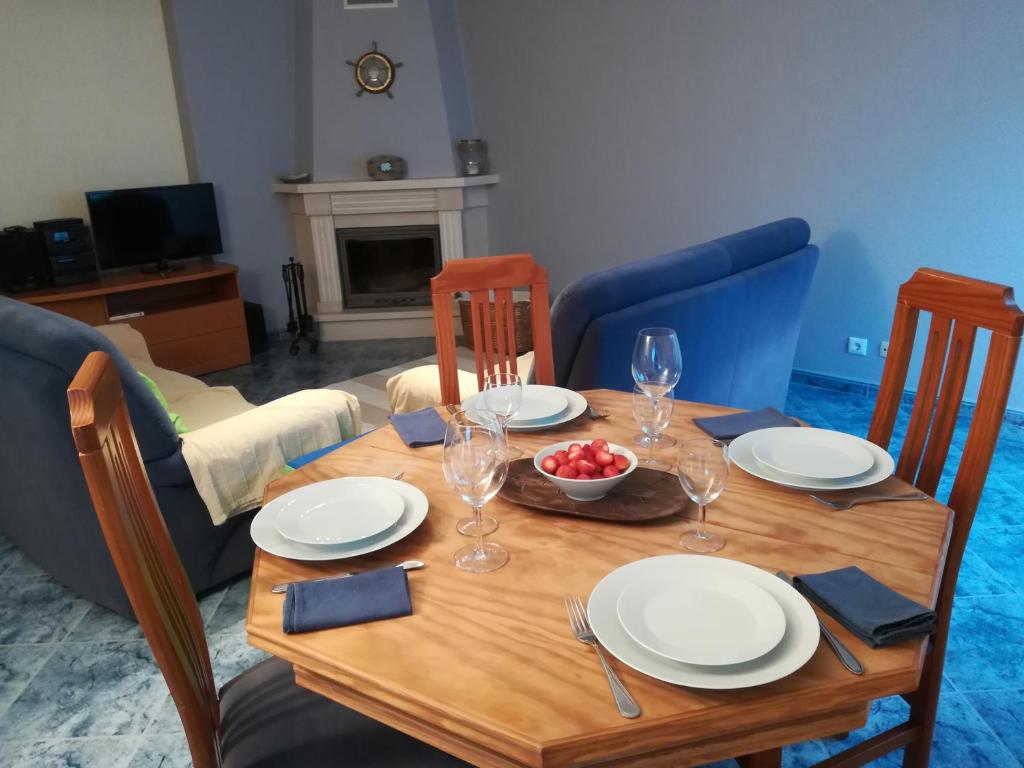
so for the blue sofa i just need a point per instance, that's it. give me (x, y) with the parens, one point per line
(45, 507)
(736, 304)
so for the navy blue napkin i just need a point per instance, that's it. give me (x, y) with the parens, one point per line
(736, 424)
(419, 428)
(369, 596)
(875, 613)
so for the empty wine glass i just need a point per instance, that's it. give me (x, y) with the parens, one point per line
(503, 394)
(475, 466)
(703, 469)
(657, 366)
(468, 526)
(653, 413)
(657, 361)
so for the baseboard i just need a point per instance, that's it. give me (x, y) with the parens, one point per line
(867, 389)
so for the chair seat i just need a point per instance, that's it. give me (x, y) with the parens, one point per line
(269, 721)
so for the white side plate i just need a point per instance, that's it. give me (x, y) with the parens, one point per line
(816, 454)
(706, 619)
(577, 404)
(340, 511)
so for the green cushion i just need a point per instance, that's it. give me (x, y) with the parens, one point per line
(179, 425)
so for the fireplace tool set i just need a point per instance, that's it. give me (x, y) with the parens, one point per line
(300, 322)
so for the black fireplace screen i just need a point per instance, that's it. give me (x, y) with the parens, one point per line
(388, 266)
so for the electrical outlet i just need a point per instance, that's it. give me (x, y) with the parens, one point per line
(855, 346)
(883, 348)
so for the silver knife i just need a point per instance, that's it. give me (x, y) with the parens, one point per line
(846, 657)
(408, 565)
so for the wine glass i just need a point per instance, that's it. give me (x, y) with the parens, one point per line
(503, 394)
(657, 366)
(703, 469)
(468, 526)
(653, 413)
(475, 466)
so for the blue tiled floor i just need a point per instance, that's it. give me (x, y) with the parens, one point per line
(79, 688)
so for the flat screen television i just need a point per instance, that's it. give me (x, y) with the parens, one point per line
(153, 226)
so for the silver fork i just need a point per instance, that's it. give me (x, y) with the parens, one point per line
(581, 628)
(595, 414)
(841, 505)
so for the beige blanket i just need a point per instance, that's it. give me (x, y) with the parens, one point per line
(232, 461)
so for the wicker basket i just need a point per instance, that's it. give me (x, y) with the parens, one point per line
(521, 317)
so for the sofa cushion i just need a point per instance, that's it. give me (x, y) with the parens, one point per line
(179, 423)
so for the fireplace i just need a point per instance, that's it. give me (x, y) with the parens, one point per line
(387, 266)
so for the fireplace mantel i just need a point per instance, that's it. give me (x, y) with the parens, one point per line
(455, 204)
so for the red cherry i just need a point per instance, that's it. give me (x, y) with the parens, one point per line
(610, 471)
(586, 467)
(549, 465)
(599, 445)
(603, 458)
(566, 472)
(574, 447)
(621, 462)
(562, 457)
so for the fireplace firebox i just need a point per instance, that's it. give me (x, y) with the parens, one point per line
(388, 266)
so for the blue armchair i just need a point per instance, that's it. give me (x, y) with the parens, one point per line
(44, 505)
(736, 303)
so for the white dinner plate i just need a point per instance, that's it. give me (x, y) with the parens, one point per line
(576, 405)
(340, 511)
(816, 454)
(742, 455)
(706, 619)
(794, 650)
(264, 529)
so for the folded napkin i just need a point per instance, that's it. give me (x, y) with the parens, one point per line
(736, 424)
(872, 611)
(369, 596)
(419, 428)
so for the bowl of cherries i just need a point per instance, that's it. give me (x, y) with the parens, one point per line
(585, 471)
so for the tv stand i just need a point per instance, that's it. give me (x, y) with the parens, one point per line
(193, 320)
(162, 267)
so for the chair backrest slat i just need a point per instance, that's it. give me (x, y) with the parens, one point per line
(143, 553)
(924, 402)
(489, 280)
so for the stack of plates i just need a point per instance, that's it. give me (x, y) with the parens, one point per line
(818, 459)
(703, 622)
(340, 518)
(542, 407)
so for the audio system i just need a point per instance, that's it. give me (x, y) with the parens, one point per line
(23, 262)
(69, 248)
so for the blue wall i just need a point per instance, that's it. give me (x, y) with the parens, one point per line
(233, 66)
(624, 130)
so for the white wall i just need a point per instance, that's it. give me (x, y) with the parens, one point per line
(347, 130)
(86, 102)
(623, 130)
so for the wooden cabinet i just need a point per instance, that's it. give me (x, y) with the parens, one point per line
(193, 320)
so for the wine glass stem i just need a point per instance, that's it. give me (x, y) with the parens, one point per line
(700, 521)
(478, 516)
(650, 447)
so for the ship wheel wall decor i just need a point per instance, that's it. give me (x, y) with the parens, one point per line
(375, 72)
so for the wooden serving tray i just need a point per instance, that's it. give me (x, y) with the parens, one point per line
(646, 494)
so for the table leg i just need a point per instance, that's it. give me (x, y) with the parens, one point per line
(770, 758)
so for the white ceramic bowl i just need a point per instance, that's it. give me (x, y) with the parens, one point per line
(585, 490)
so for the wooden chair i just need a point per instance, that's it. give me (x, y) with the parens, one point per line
(480, 277)
(260, 718)
(959, 306)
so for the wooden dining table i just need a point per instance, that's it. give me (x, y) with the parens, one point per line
(486, 667)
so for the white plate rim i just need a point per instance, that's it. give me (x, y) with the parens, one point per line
(577, 405)
(824, 437)
(796, 648)
(264, 533)
(740, 454)
(390, 516)
(767, 604)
